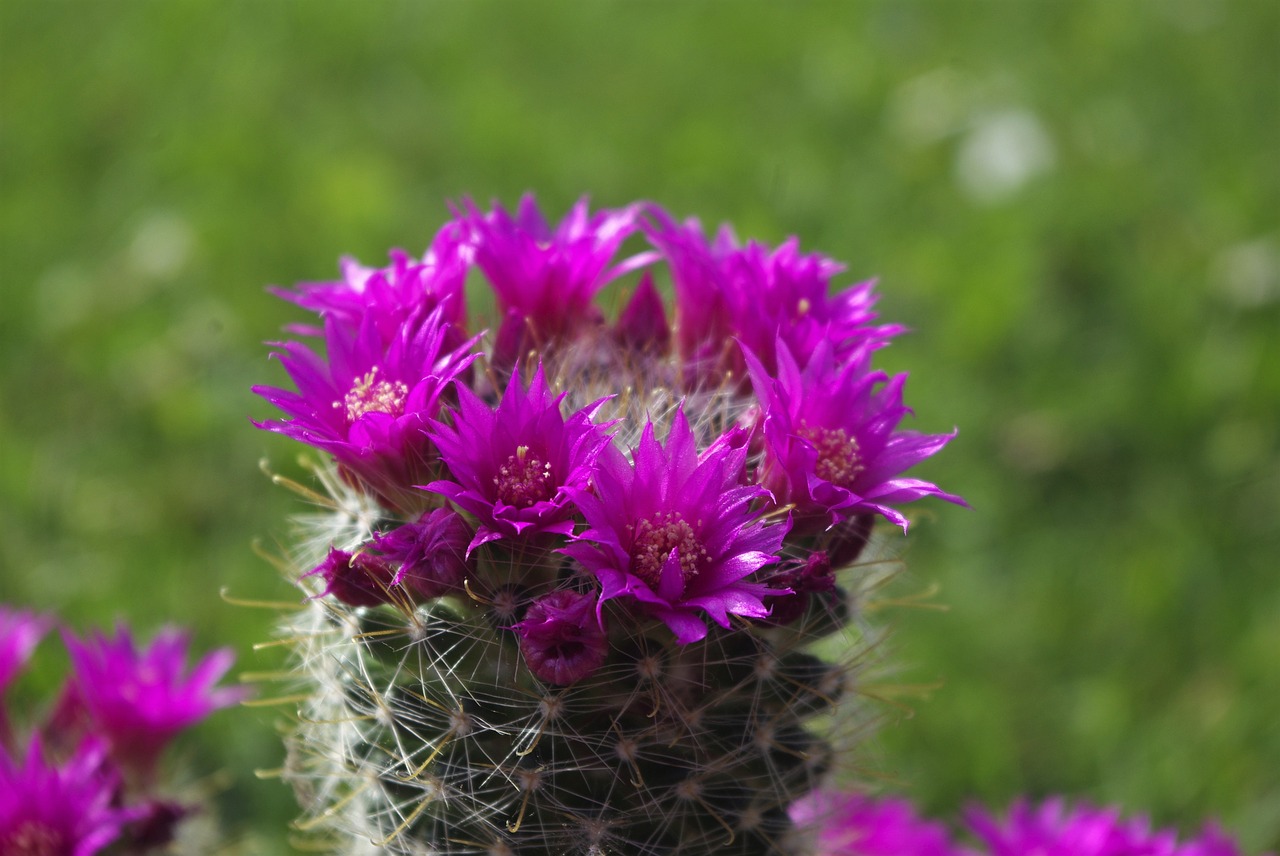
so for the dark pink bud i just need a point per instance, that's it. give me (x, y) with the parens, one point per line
(849, 539)
(157, 824)
(812, 576)
(815, 575)
(356, 580)
(561, 638)
(431, 553)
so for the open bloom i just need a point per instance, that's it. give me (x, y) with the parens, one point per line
(831, 444)
(544, 279)
(1053, 829)
(20, 631)
(675, 531)
(758, 296)
(369, 403)
(855, 825)
(138, 700)
(515, 466)
(66, 810)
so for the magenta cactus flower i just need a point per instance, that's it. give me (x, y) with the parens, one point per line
(369, 403)
(757, 296)
(85, 777)
(832, 448)
(156, 824)
(515, 466)
(674, 532)
(20, 632)
(544, 279)
(850, 824)
(138, 700)
(1052, 828)
(59, 810)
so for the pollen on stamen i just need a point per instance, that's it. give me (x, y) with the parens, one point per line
(654, 540)
(839, 457)
(524, 479)
(370, 395)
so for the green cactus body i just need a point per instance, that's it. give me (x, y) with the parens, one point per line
(424, 732)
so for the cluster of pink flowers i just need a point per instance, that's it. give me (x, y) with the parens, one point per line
(766, 439)
(853, 825)
(86, 777)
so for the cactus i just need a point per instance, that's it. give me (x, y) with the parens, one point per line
(569, 585)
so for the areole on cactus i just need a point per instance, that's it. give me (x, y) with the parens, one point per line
(564, 597)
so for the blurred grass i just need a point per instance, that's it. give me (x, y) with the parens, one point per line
(1072, 204)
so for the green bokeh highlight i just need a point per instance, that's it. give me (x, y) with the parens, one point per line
(1102, 327)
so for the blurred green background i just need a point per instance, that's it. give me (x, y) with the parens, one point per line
(1073, 204)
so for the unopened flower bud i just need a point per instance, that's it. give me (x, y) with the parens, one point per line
(561, 639)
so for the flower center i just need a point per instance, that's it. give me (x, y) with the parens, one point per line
(370, 395)
(524, 479)
(838, 458)
(655, 538)
(34, 839)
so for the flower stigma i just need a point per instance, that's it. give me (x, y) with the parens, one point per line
(839, 461)
(524, 479)
(656, 537)
(370, 395)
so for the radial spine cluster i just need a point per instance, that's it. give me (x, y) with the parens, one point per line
(564, 589)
